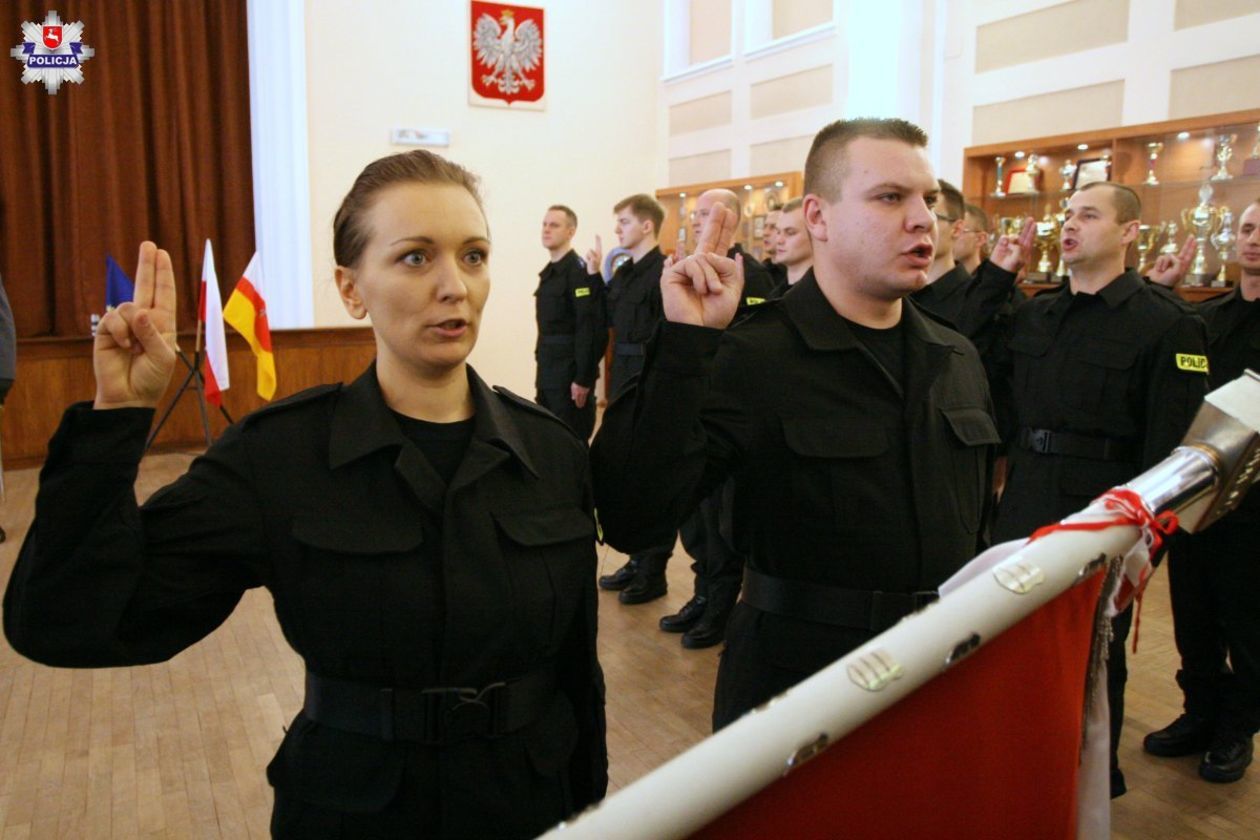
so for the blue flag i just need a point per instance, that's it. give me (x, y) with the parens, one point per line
(118, 286)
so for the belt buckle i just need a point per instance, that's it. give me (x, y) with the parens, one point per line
(1040, 440)
(473, 712)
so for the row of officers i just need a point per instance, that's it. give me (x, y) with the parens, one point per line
(429, 541)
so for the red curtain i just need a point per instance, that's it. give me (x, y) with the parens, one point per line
(154, 144)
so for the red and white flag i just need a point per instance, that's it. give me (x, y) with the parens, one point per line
(210, 313)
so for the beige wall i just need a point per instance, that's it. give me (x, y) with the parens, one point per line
(697, 114)
(1198, 12)
(1057, 30)
(698, 169)
(710, 28)
(791, 16)
(1061, 112)
(781, 155)
(588, 149)
(794, 92)
(1215, 88)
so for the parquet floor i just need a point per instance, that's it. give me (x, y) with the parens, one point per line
(177, 750)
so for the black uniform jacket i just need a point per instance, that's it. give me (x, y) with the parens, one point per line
(758, 284)
(968, 303)
(321, 499)
(1233, 332)
(841, 476)
(1119, 365)
(634, 308)
(572, 331)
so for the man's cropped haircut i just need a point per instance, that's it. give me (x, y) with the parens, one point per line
(644, 207)
(794, 204)
(827, 160)
(951, 201)
(981, 217)
(1128, 205)
(569, 215)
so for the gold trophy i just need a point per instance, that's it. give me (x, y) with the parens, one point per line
(1152, 154)
(1068, 171)
(1224, 151)
(998, 192)
(1060, 271)
(1047, 233)
(1169, 229)
(1147, 236)
(1201, 221)
(1033, 171)
(1223, 241)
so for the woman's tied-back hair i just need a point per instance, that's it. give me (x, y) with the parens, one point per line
(417, 167)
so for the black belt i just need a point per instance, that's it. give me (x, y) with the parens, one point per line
(859, 609)
(555, 339)
(1048, 442)
(432, 716)
(626, 348)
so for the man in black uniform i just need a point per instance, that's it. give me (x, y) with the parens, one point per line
(857, 431)
(769, 244)
(1214, 576)
(971, 241)
(569, 306)
(1099, 387)
(634, 308)
(793, 251)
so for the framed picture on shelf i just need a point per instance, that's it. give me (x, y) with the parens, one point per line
(759, 226)
(1089, 171)
(1019, 181)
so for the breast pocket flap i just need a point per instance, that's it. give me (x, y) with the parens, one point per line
(547, 526)
(348, 535)
(972, 425)
(825, 438)
(1114, 355)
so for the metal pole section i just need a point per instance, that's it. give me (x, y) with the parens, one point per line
(693, 789)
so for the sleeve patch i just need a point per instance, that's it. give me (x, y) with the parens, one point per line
(582, 291)
(753, 301)
(1192, 363)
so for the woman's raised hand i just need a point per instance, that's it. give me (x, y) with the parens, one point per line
(134, 352)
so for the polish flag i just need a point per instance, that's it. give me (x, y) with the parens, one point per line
(210, 313)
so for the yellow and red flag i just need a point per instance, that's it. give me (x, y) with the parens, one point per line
(246, 311)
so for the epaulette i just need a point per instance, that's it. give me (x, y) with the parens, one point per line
(293, 400)
(1164, 293)
(930, 315)
(530, 405)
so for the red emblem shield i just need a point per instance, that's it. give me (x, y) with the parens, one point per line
(52, 37)
(506, 52)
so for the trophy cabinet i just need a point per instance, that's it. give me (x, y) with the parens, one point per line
(1187, 172)
(758, 195)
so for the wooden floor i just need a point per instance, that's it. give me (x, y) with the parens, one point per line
(178, 750)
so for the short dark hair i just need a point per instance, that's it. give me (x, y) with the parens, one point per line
(979, 215)
(953, 200)
(644, 207)
(794, 204)
(418, 166)
(1128, 204)
(827, 159)
(568, 214)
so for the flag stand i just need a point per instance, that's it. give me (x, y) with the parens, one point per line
(195, 380)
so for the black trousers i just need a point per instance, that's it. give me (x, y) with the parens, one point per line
(1117, 676)
(1214, 578)
(560, 403)
(719, 568)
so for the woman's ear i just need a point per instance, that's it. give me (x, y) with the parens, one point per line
(347, 287)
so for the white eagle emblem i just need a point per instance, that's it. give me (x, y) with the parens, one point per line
(510, 52)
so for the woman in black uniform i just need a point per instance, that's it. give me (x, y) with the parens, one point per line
(428, 541)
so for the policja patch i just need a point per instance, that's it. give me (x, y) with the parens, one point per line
(1192, 363)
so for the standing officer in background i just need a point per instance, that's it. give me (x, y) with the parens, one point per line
(1214, 577)
(857, 431)
(1103, 384)
(793, 250)
(634, 308)
(569, 306)
(971, 242)
(757, 282)
(769, 244)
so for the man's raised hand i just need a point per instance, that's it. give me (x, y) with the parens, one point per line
(134, 351)
(705, 288)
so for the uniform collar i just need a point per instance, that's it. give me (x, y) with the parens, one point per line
(948, 284)
(362, 423)
(647, 260)
(552, 267)
(823, 328)
(1121, 289)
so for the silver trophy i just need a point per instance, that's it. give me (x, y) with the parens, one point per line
(1224, 151)
(998, 192)
(1169, 229)
(1152, 154)
(1223, 241)
(1068, 171)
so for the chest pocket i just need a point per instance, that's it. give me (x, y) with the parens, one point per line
(549, 554)
(973, 432)
(832, 464)
(1098, 375)
(551, 305)
(349, 576)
